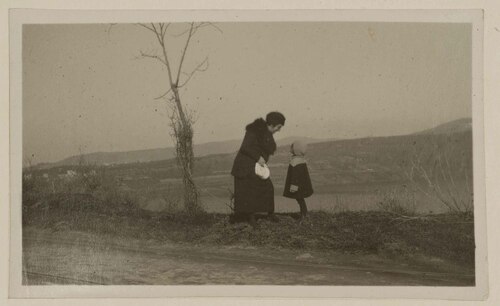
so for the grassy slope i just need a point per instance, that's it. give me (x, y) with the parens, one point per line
(447, 236)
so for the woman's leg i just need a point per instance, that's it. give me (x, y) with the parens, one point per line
(270, 199)
(303, 207)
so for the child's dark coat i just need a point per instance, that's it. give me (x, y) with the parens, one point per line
(299, 176)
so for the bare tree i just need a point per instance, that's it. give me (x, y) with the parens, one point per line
(436, 176)
(181, 120)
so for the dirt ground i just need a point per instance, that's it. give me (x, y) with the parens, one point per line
(80, 258)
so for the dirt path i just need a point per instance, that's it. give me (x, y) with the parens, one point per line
(77, 258)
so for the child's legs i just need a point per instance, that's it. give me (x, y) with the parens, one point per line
(303, 206)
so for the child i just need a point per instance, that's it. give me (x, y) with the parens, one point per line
(298, 183)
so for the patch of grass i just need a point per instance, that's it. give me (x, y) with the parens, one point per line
(98, 205)
(400, 200)
(447, 236)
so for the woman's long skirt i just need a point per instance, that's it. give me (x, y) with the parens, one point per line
(252, 195)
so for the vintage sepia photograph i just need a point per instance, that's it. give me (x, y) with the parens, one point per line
(265, 152)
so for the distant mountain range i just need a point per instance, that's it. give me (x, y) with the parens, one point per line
(219, 147)
(148, 155)
(455, 126)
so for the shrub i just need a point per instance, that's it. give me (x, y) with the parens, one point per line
(88, 190)
(399, 201)
(444, 172)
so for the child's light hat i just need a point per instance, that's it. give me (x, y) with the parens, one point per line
(262, 171)
(299, 147)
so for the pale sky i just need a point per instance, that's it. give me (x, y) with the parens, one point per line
(84, 89)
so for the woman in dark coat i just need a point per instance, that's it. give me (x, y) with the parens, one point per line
(253, 194)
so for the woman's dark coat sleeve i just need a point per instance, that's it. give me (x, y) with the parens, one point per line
(248, 154)
(250, 147)
(258, 142)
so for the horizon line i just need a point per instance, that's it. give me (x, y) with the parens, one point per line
(234, 139)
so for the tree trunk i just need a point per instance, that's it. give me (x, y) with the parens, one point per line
(185, 156)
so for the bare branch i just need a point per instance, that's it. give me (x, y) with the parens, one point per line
(154, 28)
(154, 57)
(163, 95)
(446, 184)
(161, 28)
(416, 164)
(207, 24)
(183, 32)
(184, 53)
(146, 27)
(197, 69)
(214, 26)
(158, 35)
(165, 27)
(161, 41)
(108, 31)
(469, 192)
(198, 26)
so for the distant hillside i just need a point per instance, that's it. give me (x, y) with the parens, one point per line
(213, 150)
(149, 155)
(456, 126)
(231, 146)
(334, 165)
(105, 158)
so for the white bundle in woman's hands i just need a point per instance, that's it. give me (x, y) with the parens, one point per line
(262, 171)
